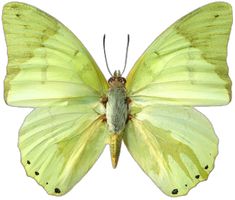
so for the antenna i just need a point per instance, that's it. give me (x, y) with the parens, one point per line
(127, 46)
(105, 56)
(106, 61)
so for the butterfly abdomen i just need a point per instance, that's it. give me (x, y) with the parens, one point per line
(115, 147)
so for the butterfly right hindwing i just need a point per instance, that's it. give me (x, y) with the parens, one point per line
(175, 146)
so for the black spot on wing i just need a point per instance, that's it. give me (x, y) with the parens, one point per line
(186, 185)
(18, 15)
(206, 167)
(175, 191)
(46, 183)
(57, 190)
(216, 16)
(197, 176)
(36, 173)
(28, 162)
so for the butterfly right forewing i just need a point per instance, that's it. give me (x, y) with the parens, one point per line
(186, 64)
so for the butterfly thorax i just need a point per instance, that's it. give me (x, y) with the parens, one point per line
(116, 107)
(116, 113)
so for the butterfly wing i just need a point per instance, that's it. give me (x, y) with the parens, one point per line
(175, 146)
(186, 65)
(47, 64)
(60, 144)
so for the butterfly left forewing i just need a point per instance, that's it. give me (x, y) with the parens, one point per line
(59, 145)
(175, 146)
(47, 64)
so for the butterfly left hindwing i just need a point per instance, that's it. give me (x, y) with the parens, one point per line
(59, 145)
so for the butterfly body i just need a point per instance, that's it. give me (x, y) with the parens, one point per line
(116, 114)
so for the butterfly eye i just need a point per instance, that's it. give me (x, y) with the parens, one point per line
(111, 80)
(122, 80)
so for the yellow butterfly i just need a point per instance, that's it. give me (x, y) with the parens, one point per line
(77, 112)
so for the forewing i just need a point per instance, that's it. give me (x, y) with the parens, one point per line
(175, 146)
(47, 64)
(186, 64)
(59, 145)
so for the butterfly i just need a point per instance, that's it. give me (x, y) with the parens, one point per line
(77, 111)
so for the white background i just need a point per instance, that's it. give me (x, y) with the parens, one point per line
(89, 20)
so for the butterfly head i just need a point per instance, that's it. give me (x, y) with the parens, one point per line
(117, 80)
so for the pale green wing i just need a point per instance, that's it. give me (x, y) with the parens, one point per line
(47, 64)
(175, 146)
(59, 145)
(186, 65)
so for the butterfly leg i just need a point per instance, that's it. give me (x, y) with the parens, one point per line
(104, 100)
(129, 117)
(128, 101)
(103, 118)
